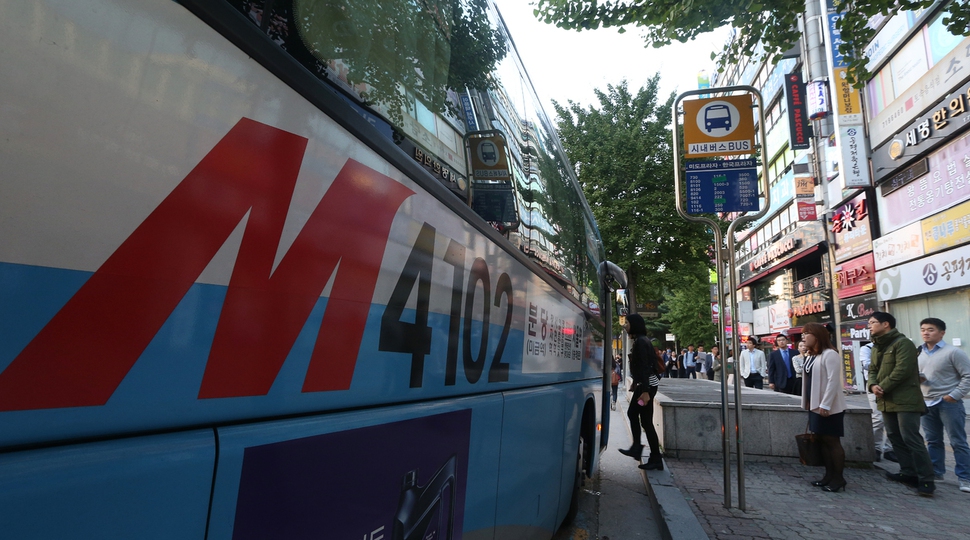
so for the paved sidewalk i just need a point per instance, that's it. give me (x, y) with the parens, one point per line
(780, 503)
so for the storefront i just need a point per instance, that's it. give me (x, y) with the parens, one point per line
(786, 283)
(918, 109)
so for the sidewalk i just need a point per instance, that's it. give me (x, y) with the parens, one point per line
(780, 503)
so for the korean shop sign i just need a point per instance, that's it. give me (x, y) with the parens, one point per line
(947, 118)
(850, 224)
(947, 270)
(856, 277)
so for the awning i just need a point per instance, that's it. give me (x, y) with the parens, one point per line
(777, 267)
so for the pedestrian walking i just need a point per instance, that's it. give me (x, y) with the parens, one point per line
(894, 379)
(823, 398)
(944, 373)
(643, 370)
(715, 354)
(798, 365)
(690, 363)
(615, 383)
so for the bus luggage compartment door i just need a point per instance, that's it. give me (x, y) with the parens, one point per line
(144, 487)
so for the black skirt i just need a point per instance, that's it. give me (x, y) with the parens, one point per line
(826, 425)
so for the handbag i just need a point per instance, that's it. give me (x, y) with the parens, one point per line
(809, 449)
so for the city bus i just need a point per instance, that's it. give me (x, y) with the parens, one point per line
(247, 289)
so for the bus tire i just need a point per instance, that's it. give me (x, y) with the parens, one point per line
(577, 481)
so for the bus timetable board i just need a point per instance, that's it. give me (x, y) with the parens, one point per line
(722, 186)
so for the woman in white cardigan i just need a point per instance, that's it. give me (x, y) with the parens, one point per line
(824, 399)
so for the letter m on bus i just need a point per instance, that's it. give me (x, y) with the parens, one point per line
(81, 356)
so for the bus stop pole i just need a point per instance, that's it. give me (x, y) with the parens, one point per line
(732, 279)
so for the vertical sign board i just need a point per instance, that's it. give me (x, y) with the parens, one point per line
(722, 126)
(799, 136)
(488, 159)
(854, 158)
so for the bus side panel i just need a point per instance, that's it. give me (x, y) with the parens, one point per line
(146, 487)
(388, 473)
(531, 468)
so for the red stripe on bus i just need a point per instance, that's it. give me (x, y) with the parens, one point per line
(81, 356)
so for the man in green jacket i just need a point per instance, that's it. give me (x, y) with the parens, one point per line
(894, 380)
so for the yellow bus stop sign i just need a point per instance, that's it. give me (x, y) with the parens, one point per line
(722, 126)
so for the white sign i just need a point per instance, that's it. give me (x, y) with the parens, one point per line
(762, 321)
(818, 103)
(898, 246)
(778, 318)
(935, 273)
(854, 167)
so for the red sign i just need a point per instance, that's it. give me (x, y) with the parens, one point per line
(855, 277)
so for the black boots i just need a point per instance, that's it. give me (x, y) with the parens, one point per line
(655, 463)
(634, 451)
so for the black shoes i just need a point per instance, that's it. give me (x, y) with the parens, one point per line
(822, 482)
(653, 464)
(889, 455)
(925, 489)
(834, 487)
(634, 451)
(911, 481)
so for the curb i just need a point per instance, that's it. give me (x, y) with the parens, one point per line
(670, 509)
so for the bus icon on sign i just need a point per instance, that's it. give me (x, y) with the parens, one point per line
(488, 153)
(717, 117)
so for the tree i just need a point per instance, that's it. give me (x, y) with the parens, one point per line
(772, 23)
(624, 160)
(689, 313)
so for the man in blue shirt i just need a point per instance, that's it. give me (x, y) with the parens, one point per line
(944, 373)
(690, 363)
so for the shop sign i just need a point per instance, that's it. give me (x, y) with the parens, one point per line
(947, 229)
(858, 308)
(809, 284)
(850, 224)
(818, 100)
(774, 251)
(799, 130)
(855, 330)
(908, 174)
(856, 277)
(847, 98)
(855, 163)
(930, 88)
(803, 238)
(898, 246)
(778, 318)
(947, 270)
(808, 308)
(947, 118)
(947, 184)
(805, 198)
(762, 321)
(849, 364)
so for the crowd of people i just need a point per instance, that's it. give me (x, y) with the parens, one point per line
(916, 393)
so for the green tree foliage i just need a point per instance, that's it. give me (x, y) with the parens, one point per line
(770, 22)
(689, 313)
(622, 153)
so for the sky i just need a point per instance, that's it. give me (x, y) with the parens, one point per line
(568, 65)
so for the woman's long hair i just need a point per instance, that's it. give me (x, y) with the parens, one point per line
(823, 339)
(637, 325)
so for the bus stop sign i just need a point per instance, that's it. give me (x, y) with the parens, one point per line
(722, 126)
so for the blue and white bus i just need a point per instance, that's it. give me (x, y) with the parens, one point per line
(252, 287)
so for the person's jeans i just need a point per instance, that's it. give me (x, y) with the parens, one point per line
(902, 428)
(877, 430)
(952, 417)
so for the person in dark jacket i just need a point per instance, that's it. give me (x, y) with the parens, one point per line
(894, 379)
(646, 381)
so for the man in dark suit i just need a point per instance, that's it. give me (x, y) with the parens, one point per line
(781, 374)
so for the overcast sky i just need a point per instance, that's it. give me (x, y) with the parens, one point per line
(568, 65)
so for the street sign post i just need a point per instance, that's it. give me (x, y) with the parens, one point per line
(722, 186)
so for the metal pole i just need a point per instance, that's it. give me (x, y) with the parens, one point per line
(732, 280)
